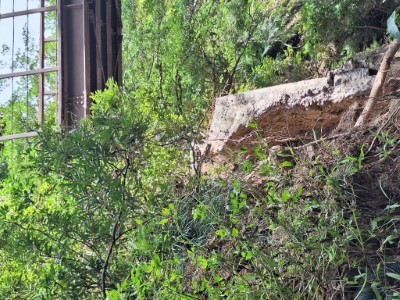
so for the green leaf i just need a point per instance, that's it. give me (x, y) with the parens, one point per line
(286, 164)
(393, 275)
(243, 150)
(392, 25)
(286, 195)
(375, 221)
(390, 239)
(236, 185)
(265, 170)
(242, 204)
(172, 277)
(165, 211)
(374, 287)
(222, 233)
(202, 262)
(162, 222)
(147, 268)
(234, 220)
(260, 153)
(247, 255)
(299, 191)
(253, 125)
(392, 207)
(247, 165)
(235, 232)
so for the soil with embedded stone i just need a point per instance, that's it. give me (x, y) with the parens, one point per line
(319, 131)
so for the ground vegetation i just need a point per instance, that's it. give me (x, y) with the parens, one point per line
(122, 208)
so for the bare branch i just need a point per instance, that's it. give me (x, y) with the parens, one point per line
(378, 83)
(114, 239)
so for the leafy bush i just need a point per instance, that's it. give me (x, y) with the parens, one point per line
(113, 210)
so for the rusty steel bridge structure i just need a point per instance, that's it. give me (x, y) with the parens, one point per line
(88, 41)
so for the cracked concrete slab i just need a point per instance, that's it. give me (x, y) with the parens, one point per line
(289, 109)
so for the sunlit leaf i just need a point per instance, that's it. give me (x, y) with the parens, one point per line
(162, 222)
(235, 232)
(286, 195)
(392, 25)
(393, 275)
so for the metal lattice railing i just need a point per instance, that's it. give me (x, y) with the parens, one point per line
(30, 65)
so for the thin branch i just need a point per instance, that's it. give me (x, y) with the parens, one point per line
(32, 229)
(229, 82)
(115, 236)
(371, 27)
(54, 239)
(396, 110)
(325, 139)
(378, 83)
(109, 253)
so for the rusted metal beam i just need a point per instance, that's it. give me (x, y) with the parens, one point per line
(118, 58)
(87, 58)
(18, 136)
(27, 12)
(90, 52)
(50, 93)
(60, 78)
(49, 40)
(41, 64)
(109, 43)
(73, 60)
(98, 25)
(27, 73)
